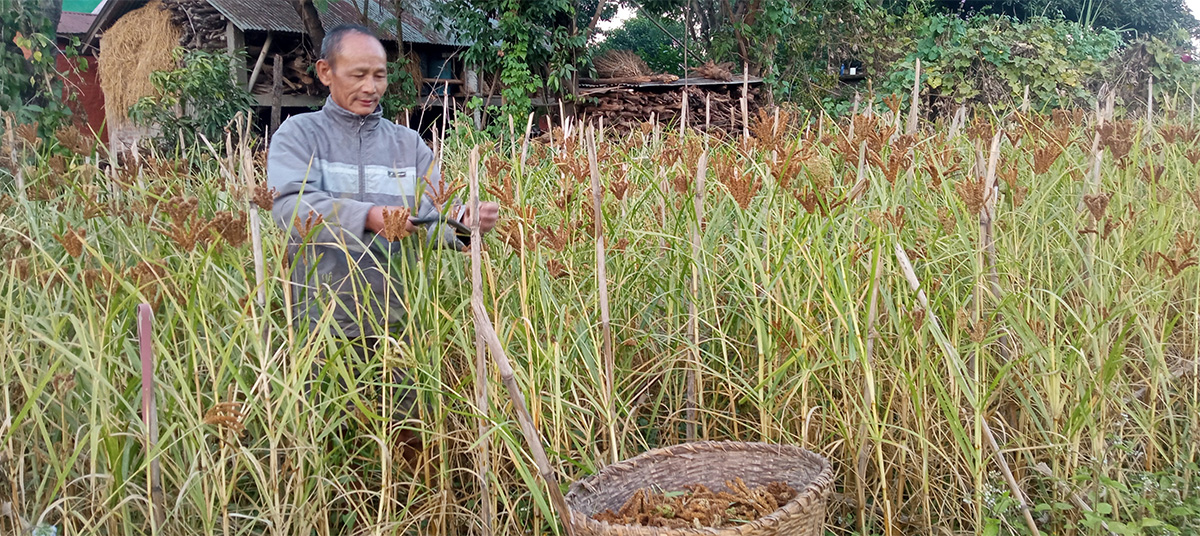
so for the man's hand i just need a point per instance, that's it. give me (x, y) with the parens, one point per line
(489, 214)
(375, 222)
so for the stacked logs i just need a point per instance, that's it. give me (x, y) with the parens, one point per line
(627, 107)
(202, 26)
(298, 79)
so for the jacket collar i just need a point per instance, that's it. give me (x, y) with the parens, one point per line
(351, 120)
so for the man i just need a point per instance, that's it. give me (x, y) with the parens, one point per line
(348, 165)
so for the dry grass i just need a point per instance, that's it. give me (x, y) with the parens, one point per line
(136, 45)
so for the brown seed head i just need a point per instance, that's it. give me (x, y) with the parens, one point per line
(75, 141)
(1097, 204)
(395, 224)
(72, 241)
(265, 197)
(311, 221)
(972, 194)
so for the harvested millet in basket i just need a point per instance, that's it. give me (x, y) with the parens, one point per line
(698, 507)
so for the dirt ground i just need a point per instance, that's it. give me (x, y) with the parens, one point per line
(697, 506)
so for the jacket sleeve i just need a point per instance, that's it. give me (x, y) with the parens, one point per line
(293, 172)
(430, 175)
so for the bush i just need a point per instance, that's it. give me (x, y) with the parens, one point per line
(199, 97)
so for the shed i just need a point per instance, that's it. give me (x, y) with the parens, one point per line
(271, 30)
(79, 74)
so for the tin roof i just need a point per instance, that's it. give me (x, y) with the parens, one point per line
(74, 23)
(281, 16)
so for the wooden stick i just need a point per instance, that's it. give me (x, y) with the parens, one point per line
(1150, 105)
(952, 355)
(525, 141)
(483, 324)
(10, 130)
(693, 373)
(745, 104)
(276, 96)
(602, 285)
(987, 233)
(683, 110)
(915, 105)
(150, 416)
(481, 380)
(262, 56)
(707, 112)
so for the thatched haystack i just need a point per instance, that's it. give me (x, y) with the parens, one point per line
(135, 46)
(620, 64)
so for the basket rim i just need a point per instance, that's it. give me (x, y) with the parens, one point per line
(814, 492)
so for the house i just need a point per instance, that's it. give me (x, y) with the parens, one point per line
(79, 74)
(273, 37)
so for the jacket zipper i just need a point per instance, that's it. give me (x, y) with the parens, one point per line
(362, 171)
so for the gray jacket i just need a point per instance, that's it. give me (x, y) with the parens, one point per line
(339, 165)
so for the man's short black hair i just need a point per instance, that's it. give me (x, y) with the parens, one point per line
(332, 44)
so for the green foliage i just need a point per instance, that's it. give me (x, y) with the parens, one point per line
(992, 59)
(29, 86)
(199, 97)
(1136, 17)
(640, 35)
(530, 44)
(402, 93)
(1164, 502)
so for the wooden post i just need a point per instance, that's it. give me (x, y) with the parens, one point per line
(683, 110)
(745, 102)
(150, 416)
(602, 285)
(1150, 105)
(235, 40)
(481, 378)
(693, 374)
(483, 323)
(914, 106)
(276, 95)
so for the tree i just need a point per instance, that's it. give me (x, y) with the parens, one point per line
(743, 31)
(312, 22)
(530, 44)
(1134, 18)
(29, 82)
(640, 35)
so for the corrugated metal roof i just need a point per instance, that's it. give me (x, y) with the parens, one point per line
(74, 23)
(281, 16)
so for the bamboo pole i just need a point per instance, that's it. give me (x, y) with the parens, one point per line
(910, 275)
(915, 104)
(693, 373)
(525, 141)
(481, 380)
(602, 286)
(1150, 105)
(483, 323)
(745, 103)
(262, 56)
(156, 499)
(683, 110)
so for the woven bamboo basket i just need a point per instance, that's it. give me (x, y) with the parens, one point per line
(709, 463)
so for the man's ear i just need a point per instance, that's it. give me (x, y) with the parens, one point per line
(325, 72)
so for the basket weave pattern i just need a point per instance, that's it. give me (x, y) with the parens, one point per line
(709, 463)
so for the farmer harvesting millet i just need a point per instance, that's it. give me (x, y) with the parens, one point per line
(344, 176)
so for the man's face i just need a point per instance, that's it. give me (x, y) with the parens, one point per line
(357, 74)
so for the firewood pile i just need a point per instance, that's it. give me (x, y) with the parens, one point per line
(298, 79)
(202, 26)
(627, 107)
